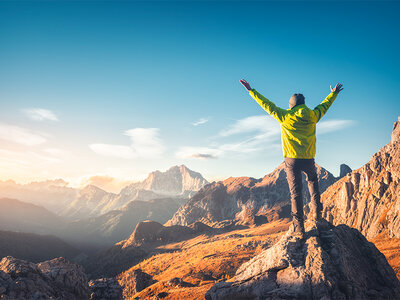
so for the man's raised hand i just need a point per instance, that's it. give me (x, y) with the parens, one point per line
(245, 84)
(337, 88)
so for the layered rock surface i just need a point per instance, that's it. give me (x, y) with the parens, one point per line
(242, 198)
(53, 279)
(369, 198)
(329, 263)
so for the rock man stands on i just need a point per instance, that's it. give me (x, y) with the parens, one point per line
(299, 146)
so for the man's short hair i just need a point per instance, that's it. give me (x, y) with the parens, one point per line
(296, 99)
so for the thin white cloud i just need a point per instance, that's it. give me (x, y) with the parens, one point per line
(333, 125)
(144, 143)
(40, 114)
(21, 135)
(200, 122)
(261, 123)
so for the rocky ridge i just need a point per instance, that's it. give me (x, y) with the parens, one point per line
(369, 198)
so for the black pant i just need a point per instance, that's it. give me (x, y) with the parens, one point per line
(293, 168)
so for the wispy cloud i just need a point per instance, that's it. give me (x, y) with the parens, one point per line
(333, 125)
(261, 123)
(200, 121)
(21, 135)
(40, 114)
(145, 142)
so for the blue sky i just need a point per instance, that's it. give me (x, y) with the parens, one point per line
(119, 88)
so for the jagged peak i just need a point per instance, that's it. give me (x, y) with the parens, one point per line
(396, 131)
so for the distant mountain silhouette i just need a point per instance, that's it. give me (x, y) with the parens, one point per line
(20, 216)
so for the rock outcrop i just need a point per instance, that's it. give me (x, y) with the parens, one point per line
(344, 170)
(329, 263)
(150, 231)
(242, 198)
(105, 289)
(53, 279)
(369, 198)
(137, 280)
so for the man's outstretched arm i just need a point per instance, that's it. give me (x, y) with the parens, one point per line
(270, 107)
(322, 108)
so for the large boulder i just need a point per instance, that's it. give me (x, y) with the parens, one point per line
(53, 279)
(329, 263)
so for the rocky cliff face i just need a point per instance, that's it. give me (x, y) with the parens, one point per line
(53, 279)
(330, 263)
(369, 198)
(242, 198)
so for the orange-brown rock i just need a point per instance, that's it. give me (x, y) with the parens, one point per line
(369, 198)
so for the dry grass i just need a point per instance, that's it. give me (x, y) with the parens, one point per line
(390, 247)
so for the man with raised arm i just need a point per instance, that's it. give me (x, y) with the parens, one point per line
(298, 142)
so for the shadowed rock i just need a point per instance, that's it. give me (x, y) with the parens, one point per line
(344, 170)
(53, 279)
(329, 263)
(105, 289)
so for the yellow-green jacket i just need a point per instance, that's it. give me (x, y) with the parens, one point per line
(297, 124)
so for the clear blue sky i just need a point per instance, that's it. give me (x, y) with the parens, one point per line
(76, 76)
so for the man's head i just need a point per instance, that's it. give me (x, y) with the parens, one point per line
(295, 100)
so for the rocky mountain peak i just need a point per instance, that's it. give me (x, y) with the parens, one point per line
(329, 263)
(396, 131)
(92, 191)
(177, 180)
